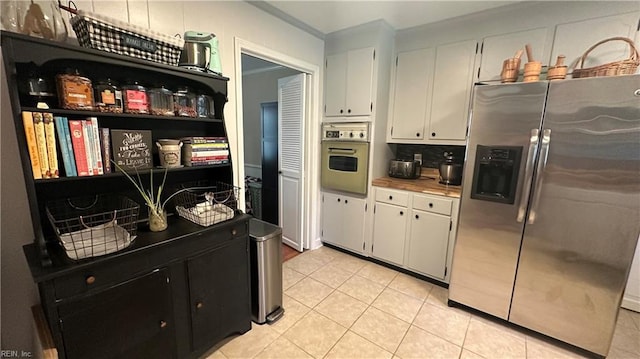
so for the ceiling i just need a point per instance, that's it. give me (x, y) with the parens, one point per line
(324, 17)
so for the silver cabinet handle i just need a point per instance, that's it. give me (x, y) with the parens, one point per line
(542, 163)
(528, 174)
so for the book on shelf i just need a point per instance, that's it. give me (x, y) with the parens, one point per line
(90, 147)
(206, 162)
(96, 148)
(189, 151)
(221, 153)
(203, 140)
(32, 145)
(52, 150)
(131, 149)
(66, 149)
(105, 146)
(79, 149)
(41, 140)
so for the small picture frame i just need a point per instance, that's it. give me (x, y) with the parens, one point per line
(132, 149)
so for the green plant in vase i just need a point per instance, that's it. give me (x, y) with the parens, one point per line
(157, 213)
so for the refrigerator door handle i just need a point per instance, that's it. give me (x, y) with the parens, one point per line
(528, 174)
(542, 163)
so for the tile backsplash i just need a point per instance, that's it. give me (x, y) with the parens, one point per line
(432, 155)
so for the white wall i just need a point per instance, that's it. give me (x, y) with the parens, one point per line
(258, 88)
(631, 299)
(18, 291)
(227, 19)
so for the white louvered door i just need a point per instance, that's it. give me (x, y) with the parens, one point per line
(291, 94)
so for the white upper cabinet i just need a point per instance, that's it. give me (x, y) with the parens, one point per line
(412, 90)
(496, 49)
(431, 94)
(573, 39)
(335, 85)
(349, 83)
(452, 84)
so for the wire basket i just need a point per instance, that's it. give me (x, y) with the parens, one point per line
(93, 226)
(112, 35)
(627, 66)
(207, 204)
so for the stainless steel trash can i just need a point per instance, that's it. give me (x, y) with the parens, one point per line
(266, 271)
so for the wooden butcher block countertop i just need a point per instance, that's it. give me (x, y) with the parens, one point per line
(427, 183)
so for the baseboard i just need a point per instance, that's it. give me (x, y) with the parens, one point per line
(315, 243)
(631, 303)
(43, 341)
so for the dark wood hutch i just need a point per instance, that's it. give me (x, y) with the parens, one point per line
(172, 294)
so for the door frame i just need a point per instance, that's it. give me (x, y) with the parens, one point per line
(311, 147)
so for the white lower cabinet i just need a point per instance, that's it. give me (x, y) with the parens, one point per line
(415, 231)
(389, 232)
(343, 221)
(428, 243)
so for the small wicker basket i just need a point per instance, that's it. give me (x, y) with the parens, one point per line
(623, 67)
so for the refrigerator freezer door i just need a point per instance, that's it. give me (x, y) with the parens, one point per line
(576, 254)
(503, 140)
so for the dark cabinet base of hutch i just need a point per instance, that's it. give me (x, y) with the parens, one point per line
(169, 294)
(172, 298)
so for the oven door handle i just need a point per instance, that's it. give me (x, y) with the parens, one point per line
(528, 174)
(345, 151)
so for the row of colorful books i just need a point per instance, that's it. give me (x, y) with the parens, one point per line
(84, 147)
(203, 151)
(88, 150)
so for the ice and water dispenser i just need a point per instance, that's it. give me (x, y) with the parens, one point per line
(495, 173)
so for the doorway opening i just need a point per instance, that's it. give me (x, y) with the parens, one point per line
(260, 128)
(277, 98)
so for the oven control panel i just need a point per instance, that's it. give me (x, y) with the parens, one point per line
(345, 132)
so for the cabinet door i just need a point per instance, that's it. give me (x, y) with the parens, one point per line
(332, 219)
(359, 82)
(389, 230)
(219, 293)
(573, 39)
(353, 226)
(496, 49)
(428, 241)
(130, 320)
(452, 81)
(412, 92)
(335, 85)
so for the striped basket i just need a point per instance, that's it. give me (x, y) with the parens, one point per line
(111, 35)
(623, 67)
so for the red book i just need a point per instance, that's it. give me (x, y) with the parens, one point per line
(79, 149)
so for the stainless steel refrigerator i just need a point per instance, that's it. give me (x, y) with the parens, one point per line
(550, 208)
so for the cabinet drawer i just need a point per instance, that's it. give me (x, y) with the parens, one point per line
(98, 277)
(392, 197)
(432, 204)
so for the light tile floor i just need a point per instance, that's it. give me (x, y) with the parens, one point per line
(339, 306)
